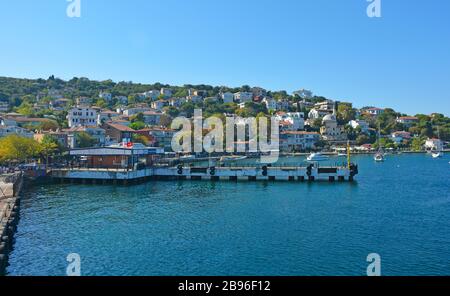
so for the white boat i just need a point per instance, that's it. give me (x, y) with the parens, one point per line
(232, 158)
(317, 157)
(187, 157)
(437, 154)
(379, 157)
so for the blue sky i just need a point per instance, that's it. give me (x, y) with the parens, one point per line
(401, 60)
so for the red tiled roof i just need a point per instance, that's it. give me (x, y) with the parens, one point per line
(408, 118)
(120, 127)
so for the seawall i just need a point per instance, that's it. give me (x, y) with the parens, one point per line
(10, 188)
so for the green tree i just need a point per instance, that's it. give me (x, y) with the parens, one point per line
(137, 125)
(85, 140)
(14, 148)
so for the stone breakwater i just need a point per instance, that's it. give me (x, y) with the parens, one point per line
(10, 187)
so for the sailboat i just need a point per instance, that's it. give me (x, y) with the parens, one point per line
(379, 156)
(440, 152)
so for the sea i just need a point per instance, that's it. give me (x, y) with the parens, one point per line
(398, 209)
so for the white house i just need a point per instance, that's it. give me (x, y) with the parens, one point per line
(408, 121)
(105, 96)
(166, 92)
(152, 94)
(434, 145)
(327, 105)
(298, 140)
(399, 137)
(362, 124)
(243, 97)
(303, 93)
(295, 119)
(15, 130)
(134, 111)
(271, 104)
(317, 114)
(227, 97)
(96, 132)
(373, 111)
(106, 115)
(176, 102)
(82, 117)
(158, 105)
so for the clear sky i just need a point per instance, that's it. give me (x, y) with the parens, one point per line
(401, 60)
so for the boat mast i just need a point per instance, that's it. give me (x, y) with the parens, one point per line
(348, 154)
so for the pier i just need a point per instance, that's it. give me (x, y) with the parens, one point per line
(10, 187)
(211, 173)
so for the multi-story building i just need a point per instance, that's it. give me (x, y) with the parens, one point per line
(152, 94)
(4, 106)
(60, 104)
(362, 124)
(283, 105)
(291, 141)
(82, 117)
(152, 118)
(162, 136)
(408, 121)
(106, 115)
(296, 119)
(95, 132)
(176, 102)
(227, 97)
(166, 92)
(84, 101)
(399, 137)
(327, 105)
(117, 132)
(271, 104)
(105, 96)
(317, 114)
(434, 145)
(242, 97)
(158, 105)
(303, 93)
(373, 111)
(133, 111)
(15, 130)
(60, 136)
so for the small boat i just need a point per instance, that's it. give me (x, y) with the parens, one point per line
(231, 158)
(342, 155)
(317, 157)
(187, 157)
(379, 157)
(437, 154)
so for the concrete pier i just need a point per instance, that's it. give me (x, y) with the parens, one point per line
(10, 187)
(262, 173)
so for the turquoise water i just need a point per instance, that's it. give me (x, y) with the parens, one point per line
(399, 209)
